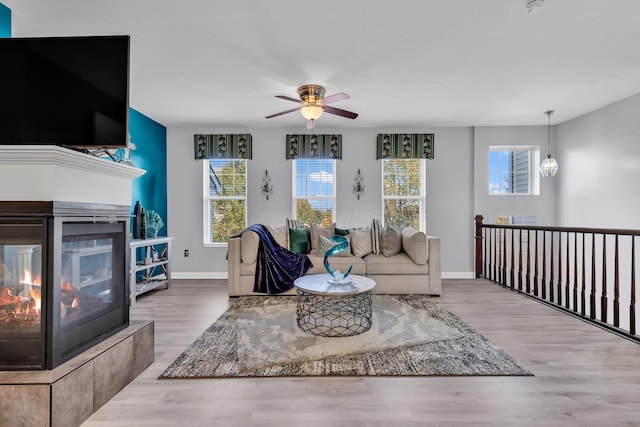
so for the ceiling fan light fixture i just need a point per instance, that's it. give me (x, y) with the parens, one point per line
(311, 112)
(532, 6)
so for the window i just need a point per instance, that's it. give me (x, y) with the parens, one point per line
(314, 191)
(403, 192)
(225, 199)
(512, 170)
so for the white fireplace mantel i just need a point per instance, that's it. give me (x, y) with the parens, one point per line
(49, 172)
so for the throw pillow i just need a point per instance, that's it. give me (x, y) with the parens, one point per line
(289, 224)
(360, 241)
(299, 240)
(414, 243)
(391, 241)
(325, 244)
(341, 231)
(317, 230)
(376, 234)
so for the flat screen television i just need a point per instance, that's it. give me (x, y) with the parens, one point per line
(67, 91)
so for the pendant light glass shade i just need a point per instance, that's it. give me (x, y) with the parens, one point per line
(549, 166)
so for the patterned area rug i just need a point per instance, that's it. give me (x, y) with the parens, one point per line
(411, 335)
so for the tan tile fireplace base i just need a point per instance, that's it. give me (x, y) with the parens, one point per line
(68, 395)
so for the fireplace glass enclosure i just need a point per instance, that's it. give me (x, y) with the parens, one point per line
(63, 284)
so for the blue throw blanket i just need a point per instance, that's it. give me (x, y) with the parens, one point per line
(276, 267)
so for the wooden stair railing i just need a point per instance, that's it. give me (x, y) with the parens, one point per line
(588, 272)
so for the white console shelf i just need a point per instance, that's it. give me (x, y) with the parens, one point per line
(155, 263)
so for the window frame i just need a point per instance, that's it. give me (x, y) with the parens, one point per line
(206, 200)
(294, 182)
(534, 164)
(422, 197)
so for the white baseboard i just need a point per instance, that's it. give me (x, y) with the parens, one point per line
(458, 275)
(199, 275)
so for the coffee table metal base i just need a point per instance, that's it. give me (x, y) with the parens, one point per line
(335, 315)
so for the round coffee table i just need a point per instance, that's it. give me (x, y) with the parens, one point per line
(333, 309)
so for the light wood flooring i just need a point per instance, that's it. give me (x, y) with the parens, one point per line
(584, 376)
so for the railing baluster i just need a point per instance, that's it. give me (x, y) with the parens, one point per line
(544, 265)
(603, 295)
(592, 313)
(567, 282)
(535, 275)
(520, 260)
(504, 257)
(575, 272)
(528, 277)
(632, 305)
(512, 278)
(559, 283)
(616, 289)
(487, 236)
(495, 253)
(551, 272)
(583, 298)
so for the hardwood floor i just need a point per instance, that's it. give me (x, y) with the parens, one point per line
(584, 376)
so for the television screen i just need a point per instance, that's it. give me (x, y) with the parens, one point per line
(71, 91)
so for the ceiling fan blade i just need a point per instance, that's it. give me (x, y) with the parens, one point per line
(335, 97)
(283, 112)
(288, 98)
(340, 112)
(311, 124)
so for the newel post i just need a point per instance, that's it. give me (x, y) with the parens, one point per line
(479, 238)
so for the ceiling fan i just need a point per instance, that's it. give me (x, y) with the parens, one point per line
(314, 103)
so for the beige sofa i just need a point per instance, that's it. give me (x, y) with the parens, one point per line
(414, 270)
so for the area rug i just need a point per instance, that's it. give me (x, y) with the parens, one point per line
(410, 336)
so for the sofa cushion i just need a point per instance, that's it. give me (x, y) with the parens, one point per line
(325, 244)
(299, 242)
(391, 241)
(341, 263)
(414, 243)
(318, 230)
(361, 241)
(249, 247)
(397, 264)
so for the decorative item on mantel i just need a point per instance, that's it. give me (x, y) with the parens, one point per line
(358, 184)
(267, 187)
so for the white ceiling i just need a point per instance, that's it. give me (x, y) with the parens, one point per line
(417, 63)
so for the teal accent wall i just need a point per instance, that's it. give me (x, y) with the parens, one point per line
(150, 138)
(5, 22)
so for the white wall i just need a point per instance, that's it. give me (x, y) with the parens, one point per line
(599, 168)
(490, 206)
(449, 191)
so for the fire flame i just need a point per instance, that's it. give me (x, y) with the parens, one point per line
(28, 280)
(34, 299)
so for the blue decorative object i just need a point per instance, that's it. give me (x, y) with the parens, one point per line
(337, 276)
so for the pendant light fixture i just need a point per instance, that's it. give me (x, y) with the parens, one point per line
(549, 166)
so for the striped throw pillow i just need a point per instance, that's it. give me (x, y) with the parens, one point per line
(376, 236)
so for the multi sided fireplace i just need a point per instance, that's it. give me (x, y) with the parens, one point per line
(63, 284)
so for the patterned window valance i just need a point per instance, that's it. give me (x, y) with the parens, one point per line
(405, 146)
(225, 146)
(314, 147)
